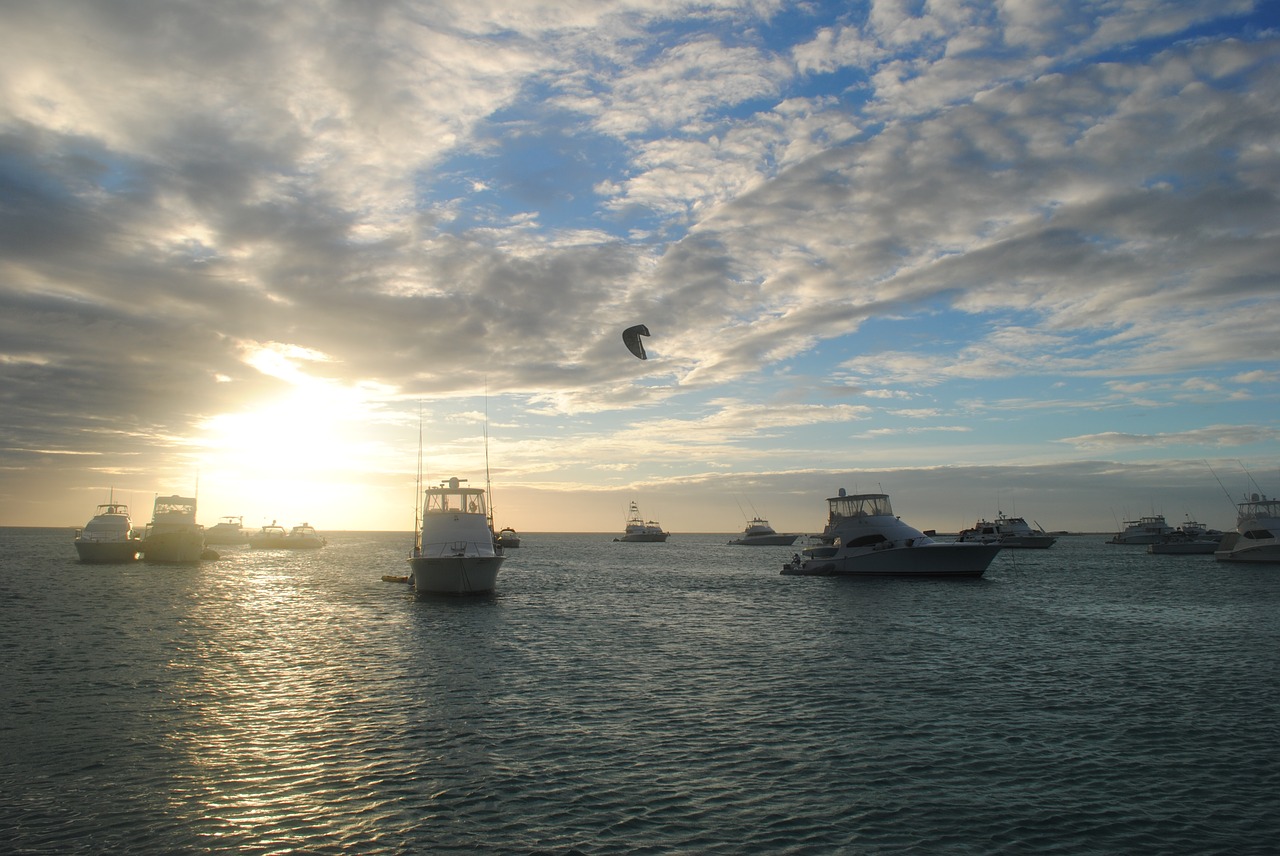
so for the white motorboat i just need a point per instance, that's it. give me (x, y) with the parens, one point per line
(508, 537)
(109, 537)
(1257, 535)
(1144, 530)
(869, 540)
(173, 536)
(227, 531)
(455, 553)
(641, 530)
(760, 534)
(1007, 532)
(273, 537)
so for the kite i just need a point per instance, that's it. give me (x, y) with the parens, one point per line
(631, 336)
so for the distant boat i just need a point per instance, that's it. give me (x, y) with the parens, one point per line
(1007, 532)
(455, 553)
(868, 539)
(108, 538)
(760, 534)
(173, 536)
(1257, 535)
(230, 530)
(641, 530)
(507, 538)
(1144, 530)
(273, 537)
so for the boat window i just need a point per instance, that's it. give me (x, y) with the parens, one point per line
(867, 540)
(1259, 534)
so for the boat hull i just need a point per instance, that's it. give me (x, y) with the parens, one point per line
(764, 541)
(184, 547)
(646, 538)
(108, 552)
(1184, 548)
(927, 560)
(455, 575)
(1234, 548)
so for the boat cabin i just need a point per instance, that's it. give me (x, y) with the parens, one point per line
(452, 498)
(859, 505)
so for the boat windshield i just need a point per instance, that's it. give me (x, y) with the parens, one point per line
(461, 501)
(860, 505)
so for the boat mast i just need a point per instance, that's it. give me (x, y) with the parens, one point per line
(417, 492)
(488, 487)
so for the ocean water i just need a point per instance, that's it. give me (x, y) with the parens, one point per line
(636, 698)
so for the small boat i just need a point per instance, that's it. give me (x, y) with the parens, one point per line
(229, 530)
(109, 537)
(1144, 530)
(507, 538)
(760, 534)
(455, 553)
(1257, 535)
(273, 537)
(173, 536)
(868, 539)
(1007, 532)
(641, 530)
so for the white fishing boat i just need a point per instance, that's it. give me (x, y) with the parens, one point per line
(640, 530)
(1007, 532)
(507, 538)
(868, 539)
(173, 536)
(109, 537)
(1144, 530)
(760, 534)
(227, 531)
(273, 537)
(1257, 535)
(455, 553)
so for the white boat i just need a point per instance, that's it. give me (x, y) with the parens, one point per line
(273, 537)
(641, 530)
(508, 537)
(109, 537)
(1144, 530)
(1007, 532)
(869, 540)
(229, 530)
(173, 536)
(455, 553)
(760, 534)
(1257, 535)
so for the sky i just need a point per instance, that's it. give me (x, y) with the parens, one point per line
(985, 257)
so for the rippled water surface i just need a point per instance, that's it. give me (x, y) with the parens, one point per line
(678, 697)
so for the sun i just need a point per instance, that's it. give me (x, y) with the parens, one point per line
(298, 458)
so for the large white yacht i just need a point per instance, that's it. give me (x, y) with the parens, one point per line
(867, 539)
(173, 536)
(455, 553)
(639, 529)
(1257, 535)
(760, 534)
(1007, 532)
(109, 537)
(1144, 530)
